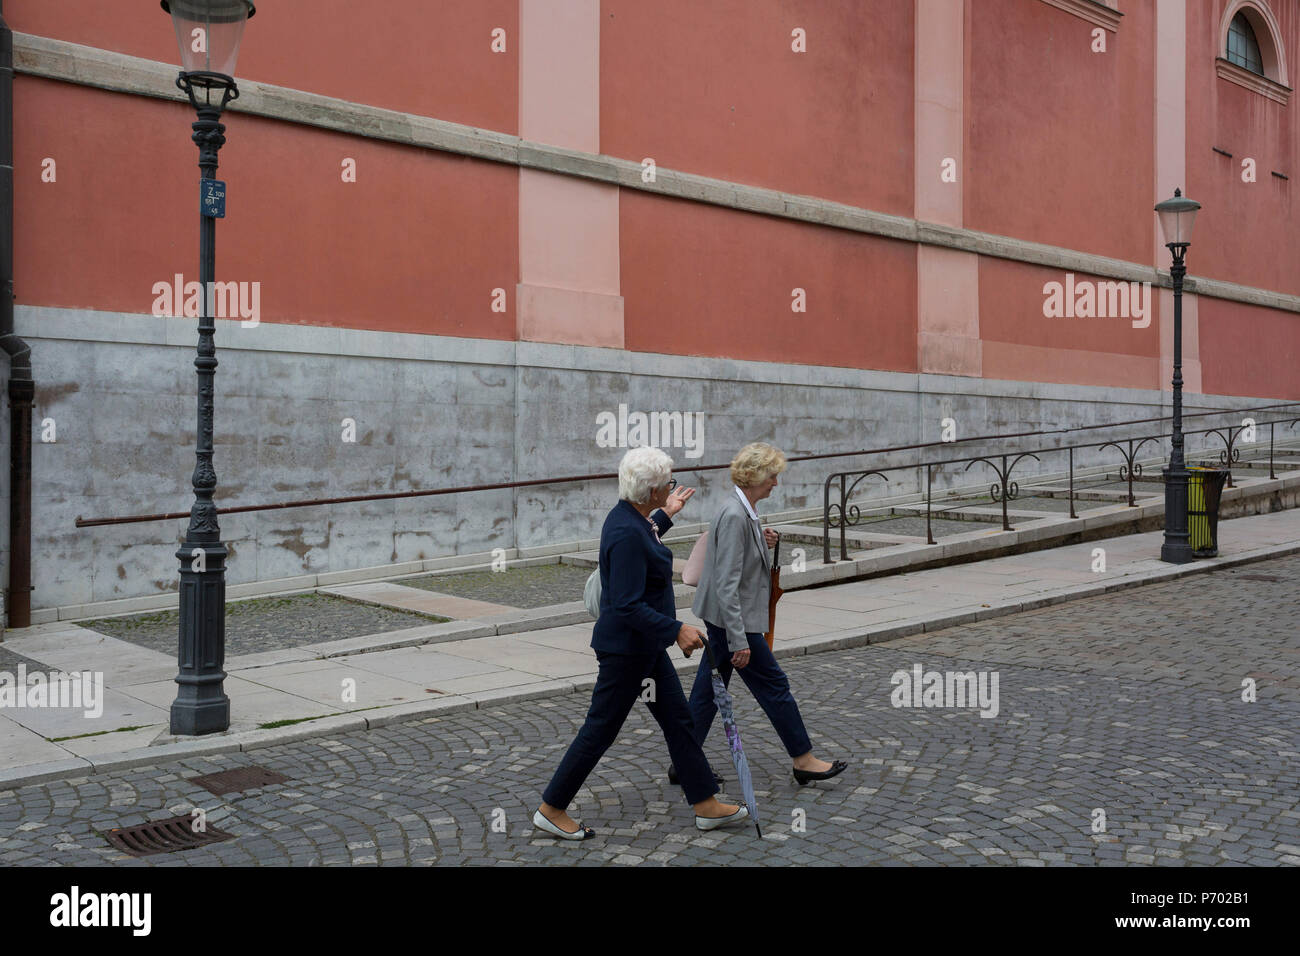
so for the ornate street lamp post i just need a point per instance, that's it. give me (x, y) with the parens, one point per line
(208, 32)
(1176, 217)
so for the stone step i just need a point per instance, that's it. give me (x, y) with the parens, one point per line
(810, 534)
(1080, 494)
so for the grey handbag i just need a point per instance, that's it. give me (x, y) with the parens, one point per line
(591, 593)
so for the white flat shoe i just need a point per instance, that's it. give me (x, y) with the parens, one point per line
(542, 823)
(712, 823)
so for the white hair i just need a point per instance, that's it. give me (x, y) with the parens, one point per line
(641, 471)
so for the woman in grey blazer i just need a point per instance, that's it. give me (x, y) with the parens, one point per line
(732, 600)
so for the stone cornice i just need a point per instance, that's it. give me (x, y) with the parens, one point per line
(1096, 13)
(1229, 71)
(117, 72)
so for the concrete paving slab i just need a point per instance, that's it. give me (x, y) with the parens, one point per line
(112, 743)
(574, 637)
(488, 680)
(22, 746)
(269, 670)
(327, 686)
(161, 693)
(304, 652)
(268, 706)
(421, 666)
(118, 710)
(34, 642)
(519, 655)
(79, 649)
(248, 701)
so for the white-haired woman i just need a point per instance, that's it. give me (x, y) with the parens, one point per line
(637, 624)
(732, 601)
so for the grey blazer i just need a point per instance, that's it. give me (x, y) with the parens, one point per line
(736, 578)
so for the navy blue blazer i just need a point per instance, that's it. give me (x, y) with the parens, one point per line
(638, 613)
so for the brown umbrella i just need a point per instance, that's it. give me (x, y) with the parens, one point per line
(775, 594)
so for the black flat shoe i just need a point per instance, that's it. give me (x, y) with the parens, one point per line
(805, 777)
(672, 776)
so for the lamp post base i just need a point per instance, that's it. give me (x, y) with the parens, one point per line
(192, 717)
(1177, 547)
(201, 705)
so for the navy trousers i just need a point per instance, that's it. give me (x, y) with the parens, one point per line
(618, 687)
(765, 680)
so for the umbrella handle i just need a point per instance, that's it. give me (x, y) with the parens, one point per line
(708, 649)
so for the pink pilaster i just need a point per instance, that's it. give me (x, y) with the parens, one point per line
(1171, 171)
(947, 281)
(568, 288)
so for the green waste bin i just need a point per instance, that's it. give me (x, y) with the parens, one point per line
(1204, 488)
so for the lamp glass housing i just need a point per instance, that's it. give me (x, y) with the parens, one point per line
(208, 33)
(1176, 218)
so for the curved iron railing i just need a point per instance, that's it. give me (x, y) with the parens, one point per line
(843, 512)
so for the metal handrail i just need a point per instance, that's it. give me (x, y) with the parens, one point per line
(603, 476)
(843, 514)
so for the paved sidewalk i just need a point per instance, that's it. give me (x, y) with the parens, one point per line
(358, 690)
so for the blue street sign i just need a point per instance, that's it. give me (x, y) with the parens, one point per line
(212, 198)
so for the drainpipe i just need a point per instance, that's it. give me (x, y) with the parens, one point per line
(21, 388)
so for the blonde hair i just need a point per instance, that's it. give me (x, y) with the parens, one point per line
(755, 463)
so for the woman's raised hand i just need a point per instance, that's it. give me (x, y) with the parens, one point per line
(677, 500)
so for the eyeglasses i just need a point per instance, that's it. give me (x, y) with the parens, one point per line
(672, 483)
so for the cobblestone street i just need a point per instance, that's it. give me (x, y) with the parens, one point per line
(1128, 705)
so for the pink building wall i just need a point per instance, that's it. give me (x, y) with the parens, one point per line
(693, 289)
(420, 56)
(715, 89)
(1057, 145)
(1059, 138)
(416, 244)
(1246, 232)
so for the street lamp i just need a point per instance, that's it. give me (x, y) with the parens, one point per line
(208, 33)
(1176, 218)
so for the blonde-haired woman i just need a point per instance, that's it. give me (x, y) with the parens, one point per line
(732, 600)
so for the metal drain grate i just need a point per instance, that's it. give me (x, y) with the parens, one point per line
(164, 836)
(241, 778)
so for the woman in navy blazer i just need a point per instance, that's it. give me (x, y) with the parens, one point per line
(637, 624)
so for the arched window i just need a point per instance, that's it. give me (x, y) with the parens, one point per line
(1250, 49)
(1243, 48)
